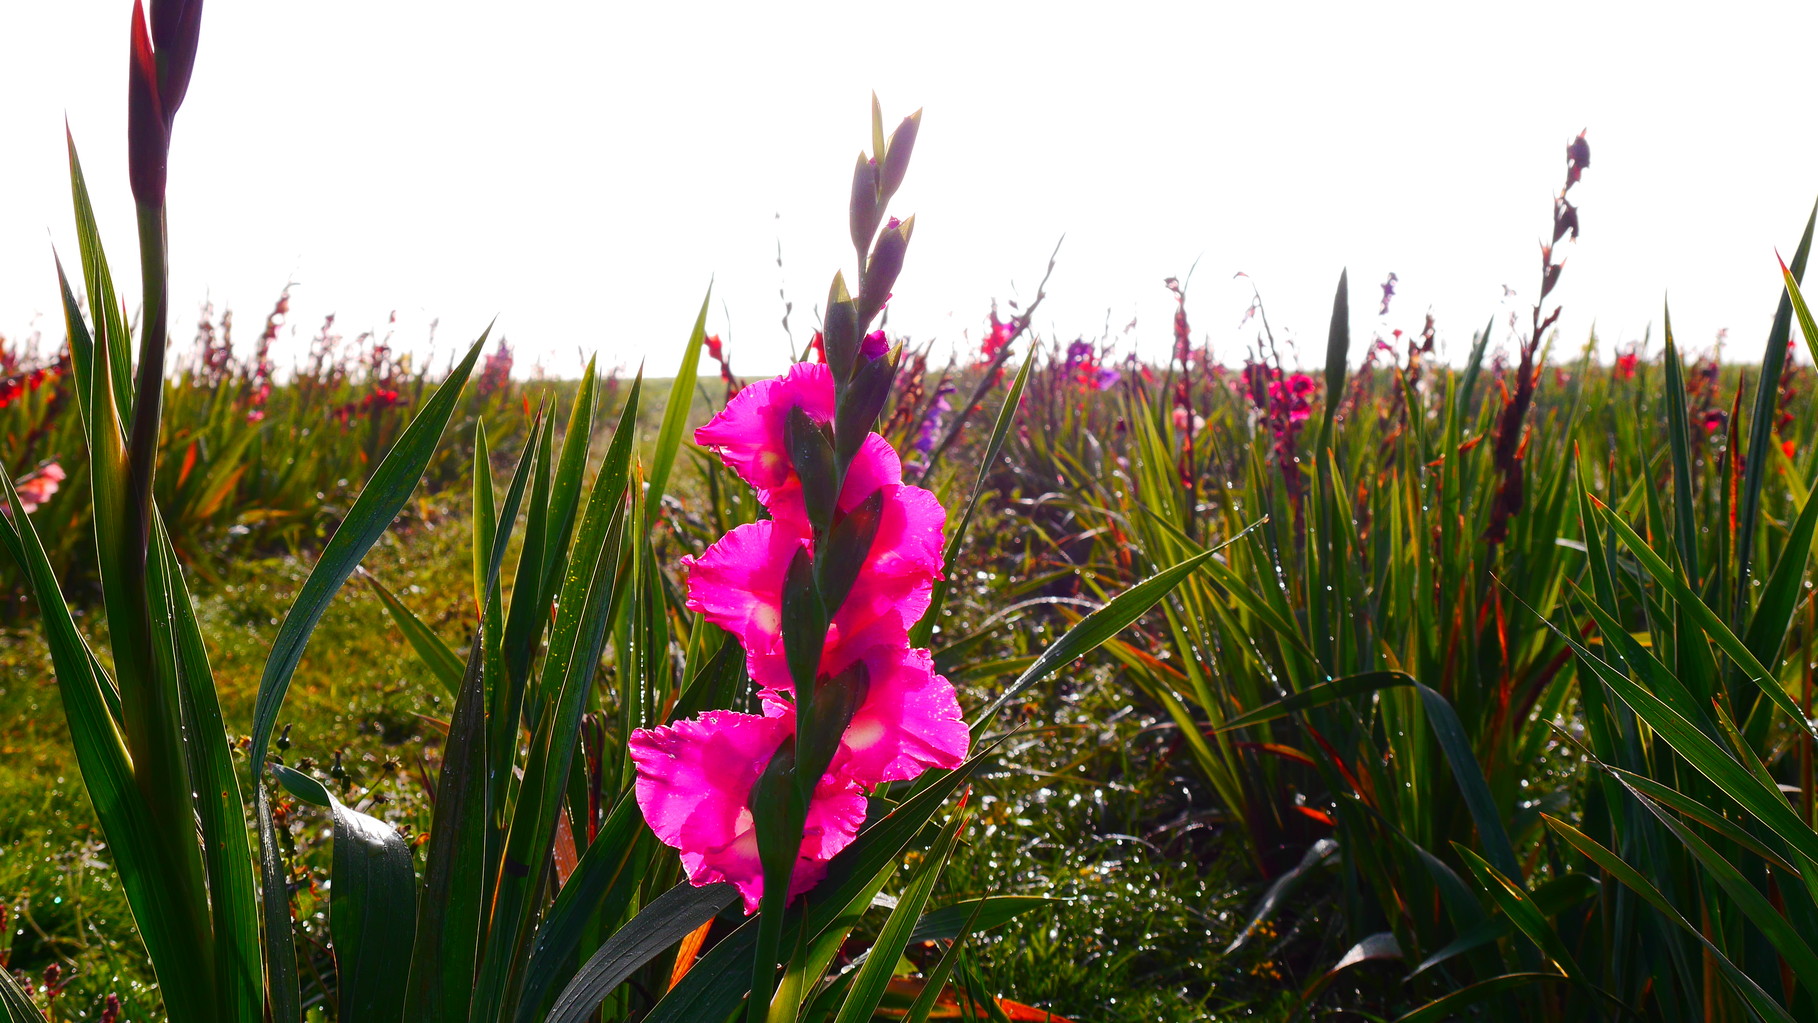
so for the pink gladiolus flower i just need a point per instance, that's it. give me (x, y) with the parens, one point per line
(695, 778)
(751, 433)
(694, 786)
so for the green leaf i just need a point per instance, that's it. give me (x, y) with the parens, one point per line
(873, 978)
(1468, 775)
(1338, 347)
(713, 989)
(19, 1007)
(371, 906)
(1447, 1006)
(450, 912)
(1319, 695)
(1685, 600)
(1318, 854)
(935, 979)
(667, 920)
(1759, 1000)
(485, 513)
(1743, 895)
(1761, 420)
(599, 890)
(435, 655)
(1519, 907)
(583, 612)
(1094, 629)
(220, 810)
(975, 915)
(170, 921)
(1703, 753)
(565, 496)
(379, 502)
(675, 414)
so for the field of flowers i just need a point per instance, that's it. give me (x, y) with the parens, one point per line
(1031, 682)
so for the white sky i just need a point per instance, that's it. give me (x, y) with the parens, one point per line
(584, 170)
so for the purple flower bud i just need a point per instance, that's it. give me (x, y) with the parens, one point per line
(176, 26)
(896, 158)
(147, 130)
(885, 264)
(865, 209)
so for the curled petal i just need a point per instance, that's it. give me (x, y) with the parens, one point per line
(694, 786)
(910, 720)
(737, 583)
(750, 432)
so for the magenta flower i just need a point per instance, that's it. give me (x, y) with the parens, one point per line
(694, 786)
(750, 433)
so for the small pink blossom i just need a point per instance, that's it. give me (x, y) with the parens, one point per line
(40, 486)
(694, 785)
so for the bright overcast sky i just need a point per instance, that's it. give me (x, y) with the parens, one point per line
(584, 170)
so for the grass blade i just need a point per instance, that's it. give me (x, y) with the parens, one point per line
(664, 922)
(675, 414)
(435, 655)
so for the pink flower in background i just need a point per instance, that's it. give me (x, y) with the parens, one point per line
(40, 486)
(694, 786)
(1001, 334)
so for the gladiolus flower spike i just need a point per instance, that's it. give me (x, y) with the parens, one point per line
(820, 596)
(895, 716)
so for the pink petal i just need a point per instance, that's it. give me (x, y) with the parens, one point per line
(910, 720)
(694, 787)
(749, 432)
(737, 583)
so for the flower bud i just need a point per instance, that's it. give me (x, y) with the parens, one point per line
(861, 404)
(836, 701)
(804, 625)
(896, 158)
(843, 555)
(811, 454)
(840, 331)
(147, 130)
(882, 269)
(176, 26)
(866, 210)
